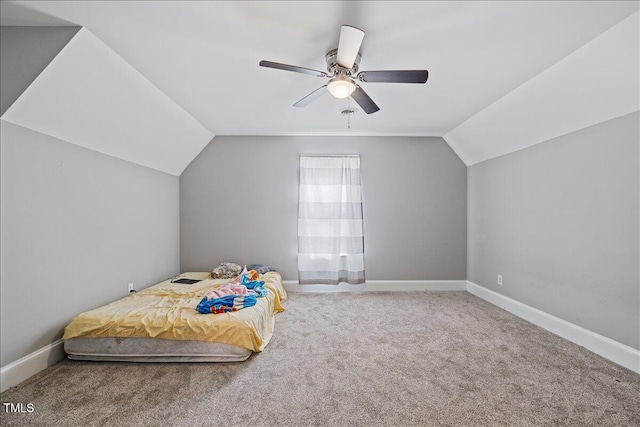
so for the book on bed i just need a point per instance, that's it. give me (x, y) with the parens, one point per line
(186, 281)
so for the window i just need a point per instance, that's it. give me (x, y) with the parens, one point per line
(330, 231)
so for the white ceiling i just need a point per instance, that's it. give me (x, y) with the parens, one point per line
(204, 55)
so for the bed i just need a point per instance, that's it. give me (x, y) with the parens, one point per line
(161, 324)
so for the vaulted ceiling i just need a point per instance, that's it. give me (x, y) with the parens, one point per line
(152, 82)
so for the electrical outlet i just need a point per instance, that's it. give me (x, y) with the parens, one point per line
(500, 279)
(130, 288)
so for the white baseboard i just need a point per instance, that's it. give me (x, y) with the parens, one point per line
(290, 285)
(16, 372)
(609, 349)
(416, 285)
(381, 285)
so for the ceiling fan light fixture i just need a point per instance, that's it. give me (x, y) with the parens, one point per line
(341, 87)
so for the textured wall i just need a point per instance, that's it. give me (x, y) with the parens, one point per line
(76, 226)
(560, 222)
(239, 199)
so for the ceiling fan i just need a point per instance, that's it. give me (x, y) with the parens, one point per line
(342, 71)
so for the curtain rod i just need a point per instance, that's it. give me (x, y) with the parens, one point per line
(329, 155)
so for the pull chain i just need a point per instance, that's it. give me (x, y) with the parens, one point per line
(348, 111)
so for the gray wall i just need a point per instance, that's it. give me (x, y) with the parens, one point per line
(560, 222)
(239, 200)
(76, 227)
(25, 52)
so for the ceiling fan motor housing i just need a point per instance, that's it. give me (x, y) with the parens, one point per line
(335, 69)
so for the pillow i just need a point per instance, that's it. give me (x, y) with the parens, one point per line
(226, 270)
(260, 268)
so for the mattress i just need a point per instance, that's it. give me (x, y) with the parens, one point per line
(153, 350)
(161, 324)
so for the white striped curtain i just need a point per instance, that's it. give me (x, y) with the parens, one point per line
(330, 232)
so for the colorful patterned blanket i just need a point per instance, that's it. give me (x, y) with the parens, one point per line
(236, 295)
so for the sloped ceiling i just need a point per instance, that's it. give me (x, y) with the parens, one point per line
(595, 83)
(19, 69)
(91, 97)
(204, 57)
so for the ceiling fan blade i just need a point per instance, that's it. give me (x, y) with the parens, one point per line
(349, 45)
(363, 100)
(293, 68)
(394, 76)
(311, 97)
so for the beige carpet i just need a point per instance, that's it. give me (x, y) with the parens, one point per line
(374, 359)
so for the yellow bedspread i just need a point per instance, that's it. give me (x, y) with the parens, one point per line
(168, 310)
